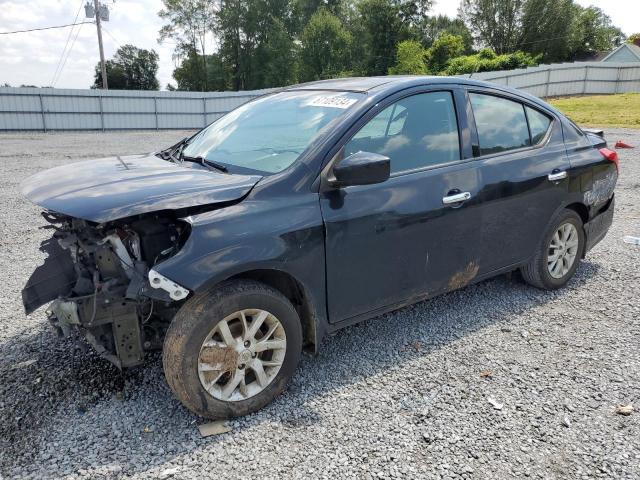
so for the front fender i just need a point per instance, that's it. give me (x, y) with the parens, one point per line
(284, 234)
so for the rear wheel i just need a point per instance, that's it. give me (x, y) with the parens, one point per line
(231, 351)
(558, 254)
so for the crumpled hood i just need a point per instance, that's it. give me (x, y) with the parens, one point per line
(118, 187)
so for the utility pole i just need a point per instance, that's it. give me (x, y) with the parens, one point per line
(100, 12)
(105, 85)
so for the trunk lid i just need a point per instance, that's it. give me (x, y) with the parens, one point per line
(596, 137)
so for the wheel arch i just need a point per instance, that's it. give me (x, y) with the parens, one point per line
(296, 293)
(581, 209)
(583, 212)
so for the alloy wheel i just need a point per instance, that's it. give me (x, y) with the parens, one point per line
(242, 355)
(563, 250)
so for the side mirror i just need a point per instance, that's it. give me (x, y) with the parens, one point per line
(361, 168)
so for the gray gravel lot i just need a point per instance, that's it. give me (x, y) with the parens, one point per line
(407, 394)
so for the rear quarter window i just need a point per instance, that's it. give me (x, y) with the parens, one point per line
(572, 132)
(538, 124)
(501, 123)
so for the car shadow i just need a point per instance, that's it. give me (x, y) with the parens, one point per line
(45, 378)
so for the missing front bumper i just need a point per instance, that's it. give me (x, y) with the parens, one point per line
(55, 278)
(110, 325)
(98, 281)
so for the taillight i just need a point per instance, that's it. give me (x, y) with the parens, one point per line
(610, 155)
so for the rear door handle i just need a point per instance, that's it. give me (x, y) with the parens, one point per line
(457, 198)
(556, 176)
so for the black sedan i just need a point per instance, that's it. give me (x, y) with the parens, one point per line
(308, 210)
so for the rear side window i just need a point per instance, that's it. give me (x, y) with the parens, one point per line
(415, 132)
(501, 123)
(538, 124)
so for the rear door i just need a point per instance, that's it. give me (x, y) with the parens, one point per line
(524, 170)
(397, 241)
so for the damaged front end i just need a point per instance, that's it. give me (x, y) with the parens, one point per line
(101, 282)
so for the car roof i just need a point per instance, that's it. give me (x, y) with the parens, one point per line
(391, 83)
(365, 84)
(352, 84)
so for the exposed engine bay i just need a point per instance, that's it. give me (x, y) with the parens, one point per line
(101, 282)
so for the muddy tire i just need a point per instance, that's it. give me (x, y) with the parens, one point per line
(232, 350)
(558, 254)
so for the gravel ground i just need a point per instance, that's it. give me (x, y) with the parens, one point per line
(407, 394)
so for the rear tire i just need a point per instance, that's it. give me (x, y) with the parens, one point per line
(558, 254)
(243, 333)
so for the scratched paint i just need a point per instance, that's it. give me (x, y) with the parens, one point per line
(602, 189)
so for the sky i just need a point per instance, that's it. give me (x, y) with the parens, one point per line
(34, 58)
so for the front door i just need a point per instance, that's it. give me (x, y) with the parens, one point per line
(411, 236)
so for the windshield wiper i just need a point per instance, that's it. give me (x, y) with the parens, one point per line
(204, 162)
(170, 153)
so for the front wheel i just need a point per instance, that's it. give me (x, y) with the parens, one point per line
(231, 351)
(558, 254)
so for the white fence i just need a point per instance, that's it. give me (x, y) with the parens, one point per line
(563, 79)
(47, 109)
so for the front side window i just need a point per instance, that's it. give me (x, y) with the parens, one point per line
(538, 124)
(387, 122)
(415, 132)
(501, 123)
(269, 134)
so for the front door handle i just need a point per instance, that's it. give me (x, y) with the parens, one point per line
(557, 176)
(457, 198)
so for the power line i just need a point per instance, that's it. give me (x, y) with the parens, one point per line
(64, 50)
(43, 28)
(544, 40)
(112, 37)
(69, 52)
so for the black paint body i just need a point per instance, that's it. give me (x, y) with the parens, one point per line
(358, 251)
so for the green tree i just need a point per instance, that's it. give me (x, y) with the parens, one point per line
(444, 48)
(546, 26)
(558, 30)
(431, 27)
(231, 36)
(486, 60)
(188, 22)
(592, 31)
(325, 47)
(189, 74)
(380, 29)
(413, 12)
(410, 59)
(131, 68)
(255, 43)
(494, 23)
(278, 54)
(634, 38)
(303, 10)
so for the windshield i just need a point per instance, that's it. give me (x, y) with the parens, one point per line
(270, 133)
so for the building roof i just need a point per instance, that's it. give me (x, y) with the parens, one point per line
(633, 48)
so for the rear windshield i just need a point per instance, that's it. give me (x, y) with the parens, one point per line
(269, 134)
